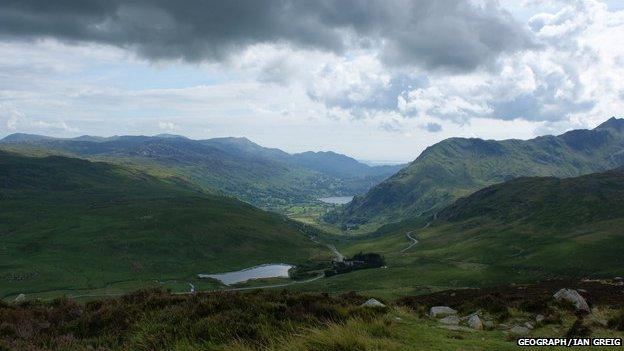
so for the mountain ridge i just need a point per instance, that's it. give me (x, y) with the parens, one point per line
(266, 177)
(456, 167)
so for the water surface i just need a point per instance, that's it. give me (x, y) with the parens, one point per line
(270, 270)
(336, 200)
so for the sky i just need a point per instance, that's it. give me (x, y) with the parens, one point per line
(374, 79)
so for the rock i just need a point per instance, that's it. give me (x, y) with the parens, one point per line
(450, 320)
(519, 330)
(20, 298)
(441, 311)
(488, 324)
(372, 303)
(528, 325)
(574, 297)
(539, 318)
(474, 322)
(618, 278)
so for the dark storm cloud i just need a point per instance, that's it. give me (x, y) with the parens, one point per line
(447, 34)
(432, 127)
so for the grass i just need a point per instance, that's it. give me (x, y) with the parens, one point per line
(519, 231)
(95, 227)
(254, 321)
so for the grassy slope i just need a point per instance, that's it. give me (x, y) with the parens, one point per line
(523, 230)
(457, 167)
(72, 224)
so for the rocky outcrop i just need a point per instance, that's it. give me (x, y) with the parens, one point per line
(372, 303)
(441, 311)
(574, 297)
(475, 322)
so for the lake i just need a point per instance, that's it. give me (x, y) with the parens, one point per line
(336, 200)
(271, 270)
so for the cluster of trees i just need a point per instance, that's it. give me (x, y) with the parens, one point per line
(358, 261)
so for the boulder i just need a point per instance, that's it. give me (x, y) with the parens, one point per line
(372, 303)
(441, 311)
(487, 324)
(450, 320)
(519, 330)
(572, 296)
(475, 322)
(539, 318)
(20, 298)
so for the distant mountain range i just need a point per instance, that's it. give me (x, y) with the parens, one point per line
(266, 177)
(69, 223)
(457, 167)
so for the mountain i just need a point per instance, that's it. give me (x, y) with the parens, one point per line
(457, 167)
(548, 227)
(268, 178)
(521, 231)
(69, 224)
(25, 138)
(340, 165)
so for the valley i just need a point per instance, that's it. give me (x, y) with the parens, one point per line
(300, 175)
(105, 224)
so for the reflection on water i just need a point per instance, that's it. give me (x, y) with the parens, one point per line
(337, 200)
(279, 270)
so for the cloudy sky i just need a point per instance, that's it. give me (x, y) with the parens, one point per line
(375, 79)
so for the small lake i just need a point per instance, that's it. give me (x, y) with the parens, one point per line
(336, 200)
(277, 270)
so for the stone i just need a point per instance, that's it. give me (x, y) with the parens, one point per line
(373, 303)
(572, 296)
(519, 330)
(450, 320)
(539, 318)
(487, 324)
(20, 298)
(528, 325)
(441, 311)
(475, 322)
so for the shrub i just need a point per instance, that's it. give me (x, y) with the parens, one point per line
(617, 322)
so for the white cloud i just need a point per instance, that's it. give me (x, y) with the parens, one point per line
(168, 126)
(299, 99)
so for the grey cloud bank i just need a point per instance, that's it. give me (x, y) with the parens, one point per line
(443, 34)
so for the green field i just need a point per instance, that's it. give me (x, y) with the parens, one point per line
(69, 225)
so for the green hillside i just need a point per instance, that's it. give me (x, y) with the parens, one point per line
(268, 178)
(457, 167)
(70, 224)
(519, 231)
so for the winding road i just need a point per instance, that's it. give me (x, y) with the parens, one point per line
(414, 240)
